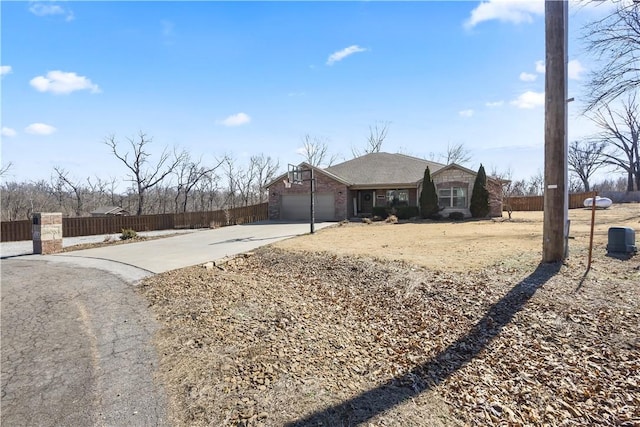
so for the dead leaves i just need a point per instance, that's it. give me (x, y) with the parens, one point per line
(277, 336)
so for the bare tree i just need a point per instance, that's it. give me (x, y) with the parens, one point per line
(611, 184)
(585, 158)
(620, 134)
(75, 186)
(265, 169)
(377, 134)
(209, 193)
(615, 41)
(504, 178)
(188, 174)
(143, 175)
(456, 153)
(535, 185)
(235, 178)
(315, 151)
(4, 169)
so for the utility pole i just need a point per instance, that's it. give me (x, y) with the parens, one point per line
(555, 132)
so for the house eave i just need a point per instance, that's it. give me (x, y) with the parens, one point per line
(384, 186)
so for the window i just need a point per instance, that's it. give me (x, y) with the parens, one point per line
(397, 197)
(452, 197)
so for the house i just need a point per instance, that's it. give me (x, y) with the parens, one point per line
(109, 211)
(353, 188)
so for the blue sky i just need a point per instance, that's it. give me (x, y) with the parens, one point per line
(246, 78)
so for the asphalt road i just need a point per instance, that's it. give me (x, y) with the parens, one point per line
(76, 348)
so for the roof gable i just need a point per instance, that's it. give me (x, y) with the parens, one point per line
(383, 169)
(469, 171)
(307, 166)
(455, 166)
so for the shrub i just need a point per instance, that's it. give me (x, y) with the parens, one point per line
(436, 216)
(479, 205)
(406, 212)
(391, 219)
(380, 211)
(456, 216)
(428, 196)
(128, 233)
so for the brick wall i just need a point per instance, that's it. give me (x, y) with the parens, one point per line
(459, 178)
(495, 198)
(324, 184)
(455, 178)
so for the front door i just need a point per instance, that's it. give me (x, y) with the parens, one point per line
(366, 201)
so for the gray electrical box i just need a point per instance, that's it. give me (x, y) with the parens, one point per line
(622, 240)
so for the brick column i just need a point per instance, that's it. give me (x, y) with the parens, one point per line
(46, 230)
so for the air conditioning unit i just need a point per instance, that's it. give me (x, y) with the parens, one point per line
(622, 240)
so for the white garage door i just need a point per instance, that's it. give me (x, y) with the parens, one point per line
(295, 207)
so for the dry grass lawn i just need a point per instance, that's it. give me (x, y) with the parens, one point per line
(461, 247)
(426, 324)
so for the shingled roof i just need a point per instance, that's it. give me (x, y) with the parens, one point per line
(383, 169)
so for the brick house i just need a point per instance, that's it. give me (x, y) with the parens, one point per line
(353, 188)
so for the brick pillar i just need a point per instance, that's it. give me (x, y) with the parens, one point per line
(46, 230)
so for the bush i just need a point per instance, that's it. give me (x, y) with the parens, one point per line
(428, 196)
(456, 216)
(380, 211)
(406, 212)
(128, 233)
(479, 205)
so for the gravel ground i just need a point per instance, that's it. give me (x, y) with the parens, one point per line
(25, 247)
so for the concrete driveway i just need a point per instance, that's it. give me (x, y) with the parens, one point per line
(157, 256)
(76, 337)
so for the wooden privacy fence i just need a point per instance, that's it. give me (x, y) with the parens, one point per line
(12, 231)
(536, 203)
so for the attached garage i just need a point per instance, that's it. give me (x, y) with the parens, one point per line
(296, 207)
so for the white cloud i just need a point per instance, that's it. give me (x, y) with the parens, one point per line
(40, 129)
(8, 132)
(540, 67)
(512, 11)
(5, 69)
(466, 113)
(236, 120)
(529, 100)
(528, 77)
(60, 82)
(341, 54)
(494, 104)
(575, 69)
(46, 9)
